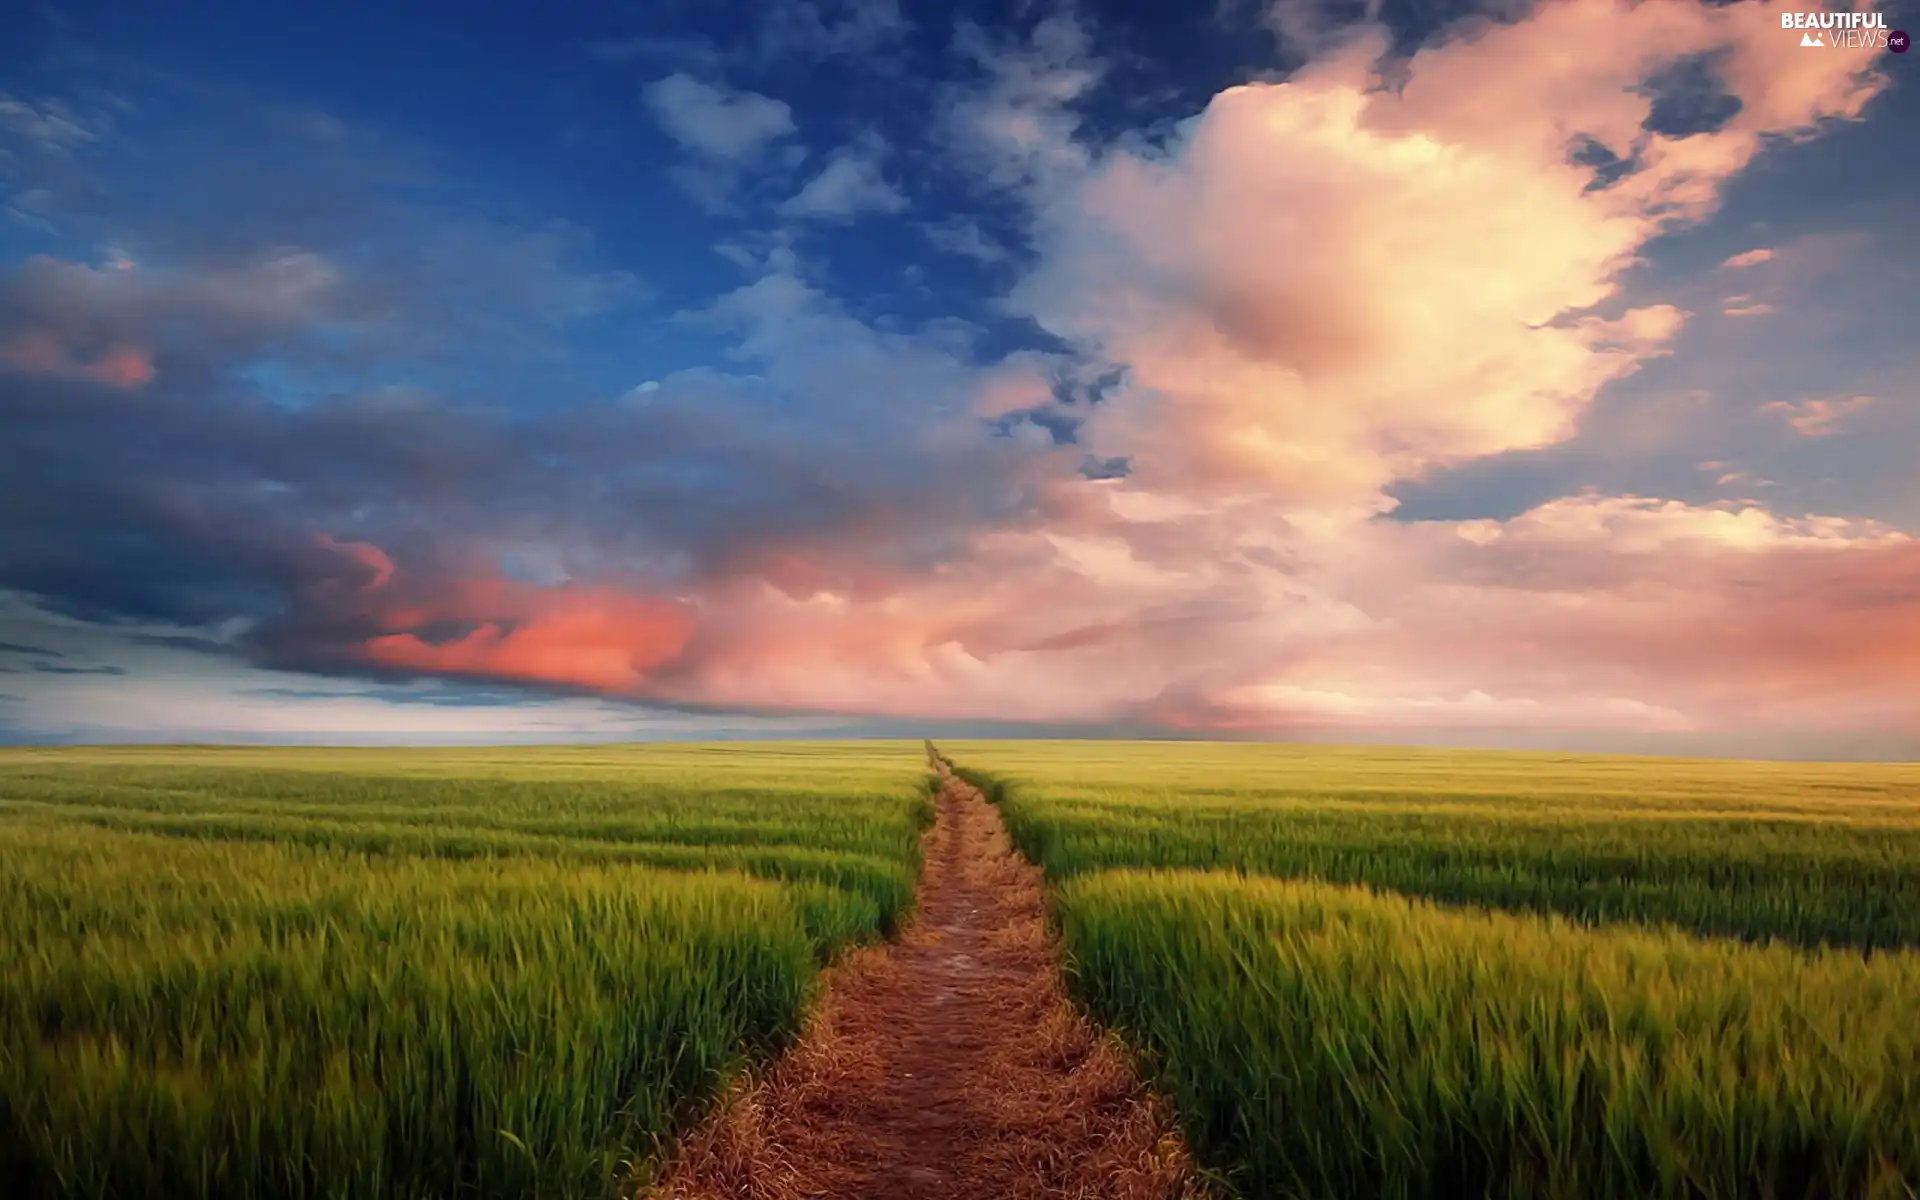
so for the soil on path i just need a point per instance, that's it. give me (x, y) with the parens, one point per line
(948, 1064)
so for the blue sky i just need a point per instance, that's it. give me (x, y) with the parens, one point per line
(1441, 371)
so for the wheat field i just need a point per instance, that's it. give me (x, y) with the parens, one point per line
(1431, 974)
(372, 973)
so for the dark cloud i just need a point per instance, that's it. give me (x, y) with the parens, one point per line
(188, 425)
(18, 648)
(192, 499)
(331, 247)
(180, 641)
(433, 693)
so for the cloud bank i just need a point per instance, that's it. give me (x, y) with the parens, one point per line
(1182, 516)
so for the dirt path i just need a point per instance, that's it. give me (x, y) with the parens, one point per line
(947, 1065)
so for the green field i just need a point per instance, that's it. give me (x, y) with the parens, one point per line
(1393, 973)
(404, 973)
(1424, 973)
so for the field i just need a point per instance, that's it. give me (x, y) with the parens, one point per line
(1392, 973)
(400, 973)
(1406, 973)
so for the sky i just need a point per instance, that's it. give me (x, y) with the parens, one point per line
(1476, 372)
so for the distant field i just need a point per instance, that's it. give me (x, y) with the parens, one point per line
(1809, 853)
(403, 973)
(1643, 977)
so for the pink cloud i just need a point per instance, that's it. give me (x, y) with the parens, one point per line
(36, 352)
(592, 638)
(1319, 289)
(367, 555)
(1744, 306)
(102, 325)
(1817, 418)
(1323, 286)
(599, 638)
(1749, 258)
(1611, 612)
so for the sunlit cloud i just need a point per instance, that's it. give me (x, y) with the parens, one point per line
(1174, 506)
(1817, 417)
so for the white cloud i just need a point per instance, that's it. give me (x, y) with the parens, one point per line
(850, 184)
(1309, 292)
(49, 126)
(964, 237)
(1019, 129)
(715, 122)
(1313, 26)
(1318, 289)
(1322, 286)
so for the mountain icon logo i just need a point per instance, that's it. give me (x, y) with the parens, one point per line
(1811, 39)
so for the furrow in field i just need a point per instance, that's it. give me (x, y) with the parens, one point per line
(947, 1064)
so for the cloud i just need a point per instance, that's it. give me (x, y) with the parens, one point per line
(1265, 319)
(834, 28)
(716, 122)
(850, 184)
(461, 286)
(241, 226)
(586, 638)
(49, 126)
(726, 132)
(368, 555)
(1018, 129)
(171, 697)
(246, 300)
(1726, 616)
(39, 352)
(965, 237)
(1749, 258)
(1438, 288)
(764, 34)
(1598, 612)
(1310, 354)
(107, 326)
(1311, 27)
(1744, 306)
(1816, 418)
(1634, 525)
(314, 521)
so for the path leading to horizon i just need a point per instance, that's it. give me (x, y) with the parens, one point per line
(946, 1065)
